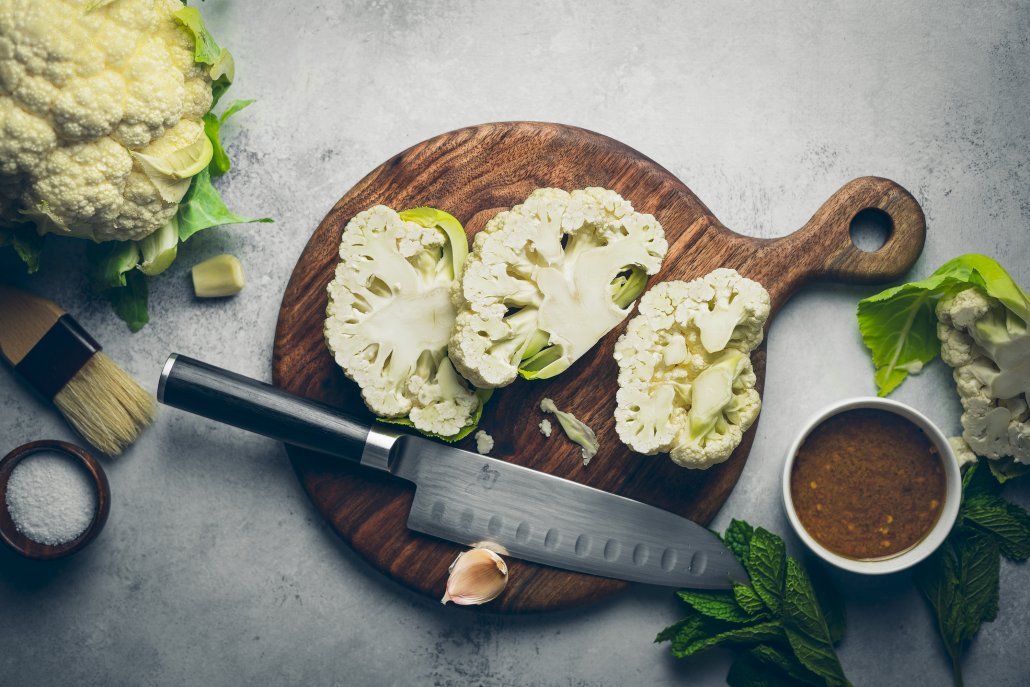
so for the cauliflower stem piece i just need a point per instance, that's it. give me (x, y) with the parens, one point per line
(686, 385)
(546, 280)
(390, 315)
(575, 429)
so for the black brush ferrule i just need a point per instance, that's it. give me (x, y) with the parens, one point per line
(57, 357)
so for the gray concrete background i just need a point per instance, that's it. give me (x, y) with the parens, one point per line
(215, 570)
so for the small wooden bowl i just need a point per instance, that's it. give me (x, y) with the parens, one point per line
(33, 549)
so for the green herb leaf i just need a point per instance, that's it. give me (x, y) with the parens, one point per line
(777, 622)
(977, 480)
(130, 301)
(220, 163)
(899, 325)
(806, 627)
(830, 601)
(960, 581)
(747, 599)
(786, 663)
(761, 632)
(202, 207)
(1007, 522)
(767, 566)
(716, 605)
(738, 540)
(748, 671)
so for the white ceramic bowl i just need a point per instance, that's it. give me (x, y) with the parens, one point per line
(949, 511)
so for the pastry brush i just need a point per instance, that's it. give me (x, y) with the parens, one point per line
(54, 355)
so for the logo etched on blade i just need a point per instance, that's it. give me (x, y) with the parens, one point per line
(486, 480)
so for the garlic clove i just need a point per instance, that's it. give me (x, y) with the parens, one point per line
(476, 577)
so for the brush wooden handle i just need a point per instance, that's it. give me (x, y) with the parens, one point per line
(261, 408)
(24, 319)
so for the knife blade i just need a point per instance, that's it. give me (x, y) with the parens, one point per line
(471, 499)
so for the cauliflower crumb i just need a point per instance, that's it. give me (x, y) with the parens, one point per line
(484, 442)
(545, 427)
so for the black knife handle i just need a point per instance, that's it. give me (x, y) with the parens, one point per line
(261, 408)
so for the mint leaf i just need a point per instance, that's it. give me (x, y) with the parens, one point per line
(715, 605)
(785, 662)
(766, 566)
(749, 671)
(1007, 522)
(776, 626)
(202, 208)
(738, 540)
(960, 582)
(830, 601)
(747, 599)
(977, 480)
(761, 632)
(806, 627)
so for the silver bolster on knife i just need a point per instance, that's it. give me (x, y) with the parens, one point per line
(376, 453)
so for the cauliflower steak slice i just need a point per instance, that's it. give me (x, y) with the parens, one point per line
(547, 279)
(686, 385)
(390, 315)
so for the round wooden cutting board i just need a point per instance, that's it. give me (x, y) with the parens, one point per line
(474, 173)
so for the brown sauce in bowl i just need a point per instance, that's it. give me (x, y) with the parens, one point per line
(867, 484)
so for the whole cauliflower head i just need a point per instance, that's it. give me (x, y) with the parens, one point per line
(82, 93)
(547, 279)
(989, 348)
(390, 315)
(686, 385)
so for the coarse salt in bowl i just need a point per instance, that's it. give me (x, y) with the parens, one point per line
(54, 499)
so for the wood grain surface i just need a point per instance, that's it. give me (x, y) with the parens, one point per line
(473, 173)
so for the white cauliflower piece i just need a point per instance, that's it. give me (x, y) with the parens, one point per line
(547, 279)
(79, 92)
(484, 442)
(390, 315)
(989, 348)
(545, 427)
(686, 385)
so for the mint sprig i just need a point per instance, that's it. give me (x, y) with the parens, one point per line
(961, 579)
(784, 625)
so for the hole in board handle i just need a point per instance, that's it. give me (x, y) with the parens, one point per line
(870, 229)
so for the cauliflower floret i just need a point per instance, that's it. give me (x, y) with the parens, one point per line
(686, 385)
(989, 348)
(80, 91)
(547, 279)
(484, 443)
(390, 315)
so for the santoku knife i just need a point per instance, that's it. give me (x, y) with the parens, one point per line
(468, 498)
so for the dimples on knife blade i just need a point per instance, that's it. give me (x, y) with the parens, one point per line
(468, 498)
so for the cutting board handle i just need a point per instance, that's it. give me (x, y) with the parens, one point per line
(823, 249)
